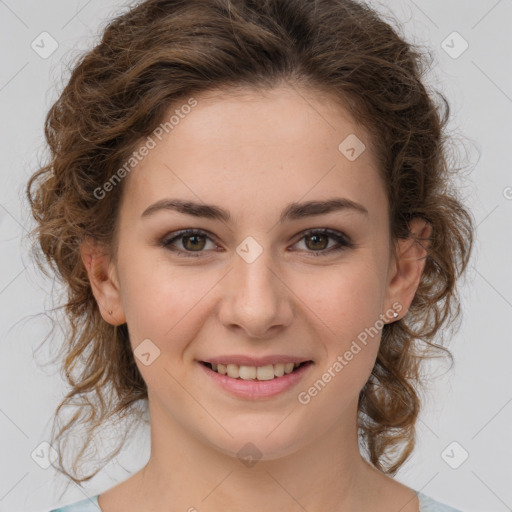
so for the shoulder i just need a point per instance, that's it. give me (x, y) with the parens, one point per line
(87, 505)
(428, 504)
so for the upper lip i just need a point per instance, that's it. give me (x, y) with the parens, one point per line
(242, 360)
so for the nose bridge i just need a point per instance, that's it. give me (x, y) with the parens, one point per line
(256, 298)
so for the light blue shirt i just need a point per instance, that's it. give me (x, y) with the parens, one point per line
(427, 504)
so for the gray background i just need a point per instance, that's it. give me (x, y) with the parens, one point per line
(470, 405)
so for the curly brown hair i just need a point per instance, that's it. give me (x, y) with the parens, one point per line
(160, 51)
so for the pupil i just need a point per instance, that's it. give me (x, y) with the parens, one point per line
(194, 244)
(316, 237)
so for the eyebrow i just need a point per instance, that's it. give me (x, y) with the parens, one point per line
(294, 211)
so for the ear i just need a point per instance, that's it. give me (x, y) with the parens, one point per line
(104, 281)
(408, 264)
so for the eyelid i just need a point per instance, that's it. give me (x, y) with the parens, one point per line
(343, 241)
(167, 241)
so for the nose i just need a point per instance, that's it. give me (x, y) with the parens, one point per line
(255, 298)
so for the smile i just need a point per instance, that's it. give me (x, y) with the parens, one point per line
(266, 372)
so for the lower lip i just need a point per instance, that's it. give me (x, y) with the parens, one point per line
(254, 389)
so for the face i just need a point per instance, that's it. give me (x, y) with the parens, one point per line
(262, 282)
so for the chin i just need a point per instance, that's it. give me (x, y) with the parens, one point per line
(262, 441)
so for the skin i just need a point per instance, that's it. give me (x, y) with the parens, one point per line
(253, 153)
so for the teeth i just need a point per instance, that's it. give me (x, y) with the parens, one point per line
(267, 372)
(279, 369)
(233, 371)
(247, 372)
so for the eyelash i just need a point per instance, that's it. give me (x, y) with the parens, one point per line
(340, 238)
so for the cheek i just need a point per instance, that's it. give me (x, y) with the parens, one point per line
(165, 304)
(347, 316)
(347, 299)
(346, 310)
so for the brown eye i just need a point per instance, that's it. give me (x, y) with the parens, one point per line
(318, 242)
(187, 242)
(193, 242)
(197, 242)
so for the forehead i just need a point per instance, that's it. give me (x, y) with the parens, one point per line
(256, 148)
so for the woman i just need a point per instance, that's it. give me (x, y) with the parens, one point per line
(249, 203)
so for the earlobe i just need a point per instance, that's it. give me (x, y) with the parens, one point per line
(409, 264)
(103, 281)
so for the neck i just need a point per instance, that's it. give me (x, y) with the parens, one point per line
(187, 473)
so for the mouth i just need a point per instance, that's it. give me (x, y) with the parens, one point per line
(258, 373)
